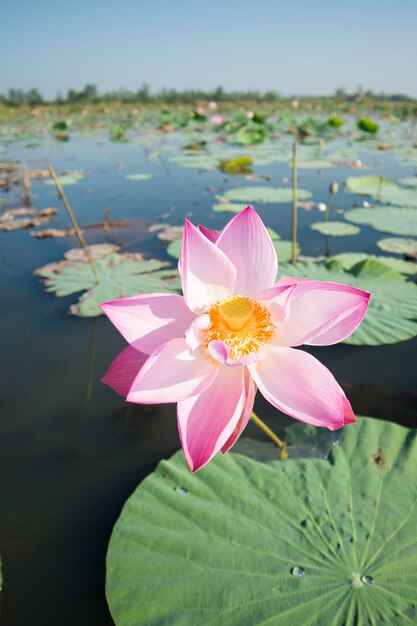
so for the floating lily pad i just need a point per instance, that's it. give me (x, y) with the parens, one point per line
(398, 221)
(290, 542)
(174, 248)
(315, 164)
(120, 275)
(227, 207)
(265, 194)
(13, 220)
(382, 189)
(335, 229)
(72, 178)
(411, 181)
(171, 233)
(392, 313)
(199, 162)
(283, 247)
(399, 246)
(138, 176)
(349, 259)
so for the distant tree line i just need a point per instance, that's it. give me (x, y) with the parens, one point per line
(32, 97)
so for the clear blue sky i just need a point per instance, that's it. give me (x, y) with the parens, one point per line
(291, 46)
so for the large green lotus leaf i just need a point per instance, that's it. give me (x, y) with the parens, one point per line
(349, 259)
(318, 542)
(335, 229)
(121, 275)
(265, 194)
(395, 220)
(399, 245)
(382, 189)
(392, 312)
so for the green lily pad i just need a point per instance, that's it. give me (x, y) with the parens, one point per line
(283, 247)
(198, 162)
(280, 543)
(382, 189)
(368, 125)
(228, 207)
(398, 221)
(349, 259)
(399, 245)
(174, 248)
(336, 229)
(248, 137)
(72, 178)
(315, 164)
(265, 194)
(392, 312)
(121, 275)
(138, 176)
(411, 181)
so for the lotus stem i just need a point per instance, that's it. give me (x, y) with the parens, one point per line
(381, 182)
(91, 359)
(294, 205)
(74, 222)
(333, 189)
(328, 206)
(268, 432)
(26, 194)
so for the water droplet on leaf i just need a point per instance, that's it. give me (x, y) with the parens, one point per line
(367, 580)
(181, 491)
(297, 571)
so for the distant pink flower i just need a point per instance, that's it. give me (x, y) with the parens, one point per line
(135, 111)
(84, 112)
(217, 120)
(36, 112)
(233, 331)
(212, 106)
(201, 110)
(250, 115)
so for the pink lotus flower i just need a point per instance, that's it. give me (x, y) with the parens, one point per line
(234, 331)
(212, 105)
(217, 120)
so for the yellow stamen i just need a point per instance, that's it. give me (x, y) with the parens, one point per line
(244, 325)
(235, 312)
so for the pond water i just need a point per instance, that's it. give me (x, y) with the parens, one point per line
(72, 451)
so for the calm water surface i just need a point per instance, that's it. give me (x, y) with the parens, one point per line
(72, 451)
